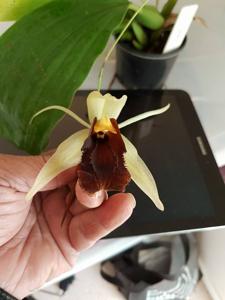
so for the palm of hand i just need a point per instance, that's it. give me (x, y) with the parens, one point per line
(35, 245)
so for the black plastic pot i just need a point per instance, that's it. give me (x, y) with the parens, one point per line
(141, 70)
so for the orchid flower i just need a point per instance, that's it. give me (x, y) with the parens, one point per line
(104, 158)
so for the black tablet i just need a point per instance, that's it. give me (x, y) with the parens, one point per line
(177, 152)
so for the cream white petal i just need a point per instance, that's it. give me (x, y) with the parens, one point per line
(113, 106)
(99, 105)
(140, 173)
(65, 110)
(95, 105)
(67, 155)
(144, 115)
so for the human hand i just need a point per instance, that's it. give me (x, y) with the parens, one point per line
(35, 245)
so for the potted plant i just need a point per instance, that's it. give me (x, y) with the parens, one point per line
(140, 62)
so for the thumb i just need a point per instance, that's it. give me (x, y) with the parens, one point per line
(20, 172)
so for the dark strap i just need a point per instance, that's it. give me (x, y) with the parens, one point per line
(112, 279)
(126, 264)
(136, 273)
(64, 284)
(5, 295)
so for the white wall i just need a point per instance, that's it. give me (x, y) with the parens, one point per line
(212, 261)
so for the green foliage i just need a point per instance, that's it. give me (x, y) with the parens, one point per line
(44, 58)
(168, 7)
(150, 28)
(11, 10)
(137, 45)
(127, 36)
(150, 18)
(139, 33)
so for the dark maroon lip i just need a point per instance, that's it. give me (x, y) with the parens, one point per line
(102, 164)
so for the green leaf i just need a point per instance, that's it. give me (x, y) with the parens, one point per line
(127, 36)
(139, 33)
(44, 58)
(168, 7)
(137, 45)
(11, 10)
(150, 18)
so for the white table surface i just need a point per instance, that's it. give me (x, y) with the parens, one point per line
(199, 70)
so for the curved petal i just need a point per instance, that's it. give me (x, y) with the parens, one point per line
(65, 110)
(140, 173)
(143, 116)
(113, 106)
(67, 155)
(99, 105)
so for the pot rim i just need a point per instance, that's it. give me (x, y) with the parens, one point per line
(154, 56)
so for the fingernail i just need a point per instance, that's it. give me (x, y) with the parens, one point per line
(99, 195)
(132, 199)
(96, 199)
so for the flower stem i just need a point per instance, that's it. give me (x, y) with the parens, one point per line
(116, 42)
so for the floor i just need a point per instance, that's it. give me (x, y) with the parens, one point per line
(90, 285)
